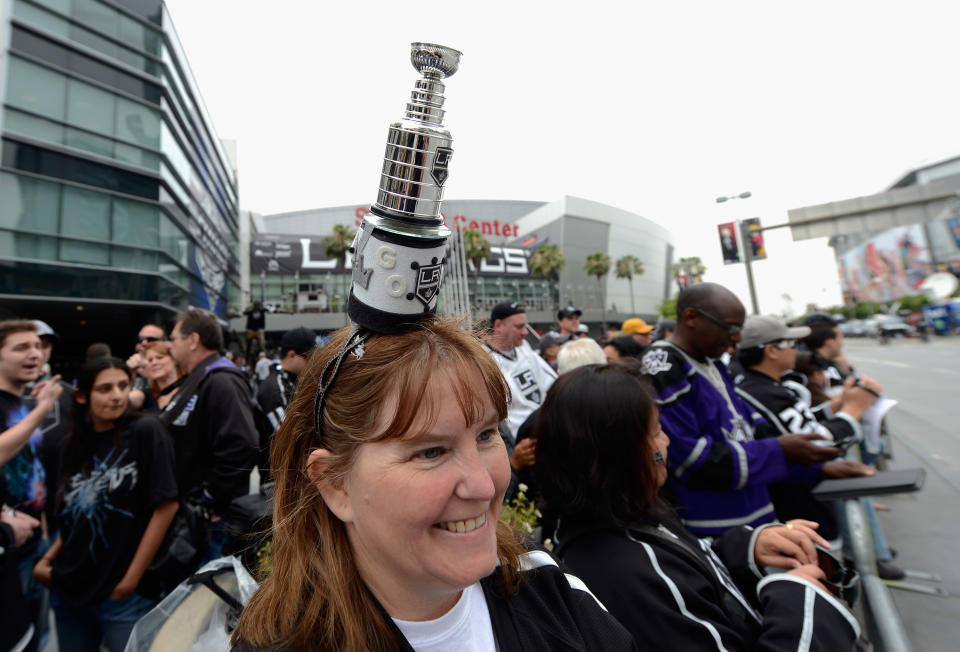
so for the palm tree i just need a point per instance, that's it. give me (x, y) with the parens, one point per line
(476, 250)
(627, 267)
(337, 246)
(691, 267)
(548, 261)
(598, 265)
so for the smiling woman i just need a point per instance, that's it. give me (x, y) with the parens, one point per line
(386, 534)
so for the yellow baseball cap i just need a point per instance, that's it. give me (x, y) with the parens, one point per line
(635, 325)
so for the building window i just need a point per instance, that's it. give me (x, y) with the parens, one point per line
(89, 142)
(41, 18)
(33, 127)
(98, 16)
(25, 245)
(86, 214)
(126, 258)
(29, 204)
(135, 223)
(37, 89)
(89, 107)
(137, 124)
(91, 253)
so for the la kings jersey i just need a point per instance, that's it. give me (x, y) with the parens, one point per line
(786, 405)
(720, 458)
(528, 376)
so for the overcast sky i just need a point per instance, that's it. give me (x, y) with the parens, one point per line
(653, 107)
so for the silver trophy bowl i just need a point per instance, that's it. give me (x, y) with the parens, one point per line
(418, 152)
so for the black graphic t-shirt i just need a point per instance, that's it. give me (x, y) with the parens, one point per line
(55, 427)
(106, 507)
(24, 479)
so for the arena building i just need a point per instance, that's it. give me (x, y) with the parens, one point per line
(290, 272)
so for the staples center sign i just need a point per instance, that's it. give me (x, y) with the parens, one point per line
(291, 254)
(461, 223)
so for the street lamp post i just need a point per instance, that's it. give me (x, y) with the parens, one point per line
(747, 249)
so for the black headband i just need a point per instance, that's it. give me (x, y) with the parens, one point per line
(353, 344)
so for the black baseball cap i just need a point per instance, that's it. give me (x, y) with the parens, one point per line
(569, 311)
(550, 339)
(505, 309)
(821, 318)
(299, 340)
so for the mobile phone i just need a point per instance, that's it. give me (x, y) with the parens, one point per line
(845, 443)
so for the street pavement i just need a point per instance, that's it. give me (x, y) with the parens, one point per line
(925, 425)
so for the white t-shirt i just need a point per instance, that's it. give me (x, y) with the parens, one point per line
(528, 376)
(262, 369)
(465, 628)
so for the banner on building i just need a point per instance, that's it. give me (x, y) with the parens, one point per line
(728, 242)
(757, 249)
(890, 265)
(288, 254)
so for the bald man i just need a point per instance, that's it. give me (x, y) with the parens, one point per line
(719, 461)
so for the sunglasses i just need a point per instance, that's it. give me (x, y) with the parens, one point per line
(144, 338)
(782, 344)
(732, 329)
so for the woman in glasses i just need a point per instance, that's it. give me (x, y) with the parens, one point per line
(601, 461)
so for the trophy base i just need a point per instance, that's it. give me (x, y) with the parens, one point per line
(381, 321)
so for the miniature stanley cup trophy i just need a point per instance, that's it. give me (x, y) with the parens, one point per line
(400, 247)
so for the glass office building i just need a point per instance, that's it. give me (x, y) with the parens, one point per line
(114, 188)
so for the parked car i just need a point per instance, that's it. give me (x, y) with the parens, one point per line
(853, 328)
(891, 327)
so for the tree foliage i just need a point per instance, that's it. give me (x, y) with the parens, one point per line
(598, 264)
(547, 261)
(476, 248)
(628, 267)
(336, 246)
(668, 308)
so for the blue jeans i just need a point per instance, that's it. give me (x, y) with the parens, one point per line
(218, 537)
(35, 593)
(82, 629)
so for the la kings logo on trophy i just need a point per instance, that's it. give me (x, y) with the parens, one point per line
(527, 382)
(440, 162)
(428, 281)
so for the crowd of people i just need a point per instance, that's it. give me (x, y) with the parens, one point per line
(98, 473)
(672, 465)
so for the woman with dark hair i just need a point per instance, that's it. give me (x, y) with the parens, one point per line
(601, 461)
(116, 501)
(390, 475)
(621, 348)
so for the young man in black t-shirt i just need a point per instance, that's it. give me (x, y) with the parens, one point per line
(23, 488)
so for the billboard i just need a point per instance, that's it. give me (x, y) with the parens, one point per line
(889, 265)
(758, 250)
(728, 242)
(304, 254)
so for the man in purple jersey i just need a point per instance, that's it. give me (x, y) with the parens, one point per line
(719, 462)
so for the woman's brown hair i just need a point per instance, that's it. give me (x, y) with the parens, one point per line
(313, 597)
(163, 348)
